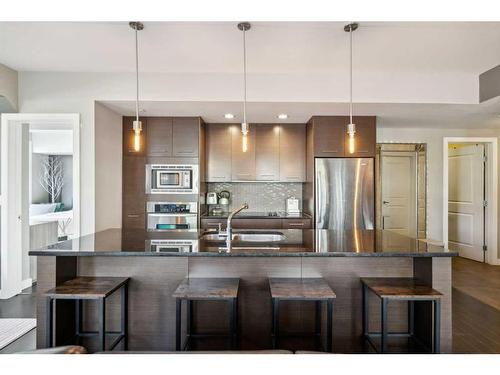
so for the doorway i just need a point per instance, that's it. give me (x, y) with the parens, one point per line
(401, 188)
(40, 157)
(469, 219)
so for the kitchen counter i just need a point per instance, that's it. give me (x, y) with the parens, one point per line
(258, 215)
(296, 243)
(340, 258)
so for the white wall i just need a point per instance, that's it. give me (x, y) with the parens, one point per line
(434, 139)
(108, 168)
(52, 142)
(8, 89)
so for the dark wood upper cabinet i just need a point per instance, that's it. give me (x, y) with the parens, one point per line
(329, 136)
(292, 153)
(365, 139)
(159, 136)
(267, 154)
(185, 137)
(242, 163)
(218, 151)
(129, 137)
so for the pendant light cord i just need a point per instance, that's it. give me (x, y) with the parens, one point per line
(350, 74)
(136, 75)
(244, 77)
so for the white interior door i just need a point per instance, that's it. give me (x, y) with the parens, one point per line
(398, 182)
(466, 200)
(15, 209)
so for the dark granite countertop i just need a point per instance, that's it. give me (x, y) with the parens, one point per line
(258, 215)
(296, 242)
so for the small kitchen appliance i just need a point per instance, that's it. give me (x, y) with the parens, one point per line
(212, 198)
(224, 196)
(292, 205)
(171, 178)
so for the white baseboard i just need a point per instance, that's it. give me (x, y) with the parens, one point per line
(26, 283)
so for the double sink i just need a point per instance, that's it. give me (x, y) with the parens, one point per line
(246, 236)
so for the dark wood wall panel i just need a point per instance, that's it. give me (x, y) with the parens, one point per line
(151, 306)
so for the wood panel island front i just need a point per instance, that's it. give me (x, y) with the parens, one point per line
(157, 262)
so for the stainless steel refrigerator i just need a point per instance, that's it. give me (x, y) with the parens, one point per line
(344, 196)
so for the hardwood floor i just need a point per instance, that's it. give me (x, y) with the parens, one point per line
(476, 307)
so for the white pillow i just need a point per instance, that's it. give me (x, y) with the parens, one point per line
(42, 208)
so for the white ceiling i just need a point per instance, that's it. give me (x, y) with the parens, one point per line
(398, 68)
(456, 116)
(273, 47)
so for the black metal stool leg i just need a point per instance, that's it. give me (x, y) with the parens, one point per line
(411, 317)
(318, 317)
(232, 321)
(102, 324)
(384, 328)
(124, 322)
(365, 311)
(49, 327)
(437, 326)
(275, 321)
(329, 326)
(78, 320)
(178, 309)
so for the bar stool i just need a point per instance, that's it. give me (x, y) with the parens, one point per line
(400, 289)
(307, 289)
(206, 289)
(90, 288)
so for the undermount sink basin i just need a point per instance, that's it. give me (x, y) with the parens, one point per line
(247, 237)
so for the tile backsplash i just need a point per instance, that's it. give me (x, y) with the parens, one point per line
(260, 196)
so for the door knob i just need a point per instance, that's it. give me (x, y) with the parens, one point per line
(385, 202)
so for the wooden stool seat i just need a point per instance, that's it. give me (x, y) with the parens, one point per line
(400, 287)
(406, 289)
(303, 289)
(87, 287)
(207, 289)
(315, 289)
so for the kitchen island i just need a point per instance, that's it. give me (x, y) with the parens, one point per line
(157, 262)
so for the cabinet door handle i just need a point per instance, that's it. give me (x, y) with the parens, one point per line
(293, 178)
(185, 152)
(296, 224)
(329, 150)
(132, 216)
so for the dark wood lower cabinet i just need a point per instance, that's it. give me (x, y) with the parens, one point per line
(264, 223)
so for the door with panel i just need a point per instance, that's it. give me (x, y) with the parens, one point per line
(329, 136)
(185, 131)
(218, 149)
(292, 157)
(159, 136)
(242, 162)
(267, 155)
(466, 200)
(399, 194)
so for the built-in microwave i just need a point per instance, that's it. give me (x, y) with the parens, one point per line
(171, 178)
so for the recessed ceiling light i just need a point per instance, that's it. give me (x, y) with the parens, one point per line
(282, 116)
(229, 116)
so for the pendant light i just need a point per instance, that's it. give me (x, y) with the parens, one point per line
(244, 27)
(137, 124)
(351, 127)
